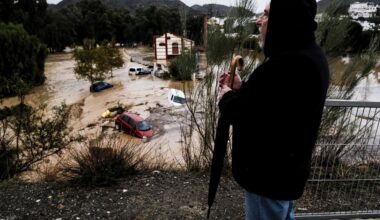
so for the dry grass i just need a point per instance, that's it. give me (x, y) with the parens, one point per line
(337, 68)
(105, 159)
(50, 172)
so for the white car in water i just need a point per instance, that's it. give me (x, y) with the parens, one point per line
(176, 97)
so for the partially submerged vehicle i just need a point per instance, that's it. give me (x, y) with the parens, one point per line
(99, 86)
(134, 125)
(176, 97)
(143, 71)
(159, 73)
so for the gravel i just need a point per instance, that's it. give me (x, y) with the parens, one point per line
(159, 195)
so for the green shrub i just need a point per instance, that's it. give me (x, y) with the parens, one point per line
(22, 60)
(27, 137)
(183, 66)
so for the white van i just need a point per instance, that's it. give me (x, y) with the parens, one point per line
(131, 71)
(134, 70)
(176, 97)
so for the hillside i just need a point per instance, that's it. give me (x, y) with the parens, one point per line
(132, 5)
(323, 4)
(214, 9)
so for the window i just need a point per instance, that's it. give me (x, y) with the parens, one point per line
(126, 119)
(162, 44)
(175, 48)
(143, 126)
(132, 123)
(178, 99)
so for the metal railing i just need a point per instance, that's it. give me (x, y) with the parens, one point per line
(345, 175)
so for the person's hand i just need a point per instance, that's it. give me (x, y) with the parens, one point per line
(224, 79)
(223, 90)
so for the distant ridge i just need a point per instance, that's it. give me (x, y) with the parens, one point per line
(213, 9)
(132, 5)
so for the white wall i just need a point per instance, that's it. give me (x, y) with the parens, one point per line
(161, 50)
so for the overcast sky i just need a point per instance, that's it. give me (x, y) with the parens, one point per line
(260, 4)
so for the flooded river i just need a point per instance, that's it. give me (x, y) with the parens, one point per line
(140, 93)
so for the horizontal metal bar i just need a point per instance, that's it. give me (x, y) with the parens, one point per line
(351, 103)
(341, 180)
(339, 215)
(348, 145)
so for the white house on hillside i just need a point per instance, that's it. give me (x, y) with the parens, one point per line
(216, 21)
(367, 25)
(170, 45)
(365, 10)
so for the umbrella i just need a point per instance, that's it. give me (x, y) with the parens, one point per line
(221, 139)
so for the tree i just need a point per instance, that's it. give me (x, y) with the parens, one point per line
(91, 20)
(338, 36)
(194, 27)
(337, 8)
(27, 136)
(95, 63)
(156, 21)
(29, 13)
(87, 64)
(112, 57)
(22, 59)
(183, 66)
(58, 32)
(6, 10)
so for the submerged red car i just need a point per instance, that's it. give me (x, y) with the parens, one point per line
(134, 125)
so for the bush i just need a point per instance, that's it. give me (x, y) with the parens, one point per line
(27, 137)
(22, 60)
(7, 160)
(173, 69)
(183, 66)
(103, 160)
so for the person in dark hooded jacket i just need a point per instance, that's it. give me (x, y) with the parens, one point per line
(277, 112)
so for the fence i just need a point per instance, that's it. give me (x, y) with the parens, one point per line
(345, 173)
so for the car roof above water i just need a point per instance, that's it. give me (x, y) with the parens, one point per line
(177, 92)
(134, 116)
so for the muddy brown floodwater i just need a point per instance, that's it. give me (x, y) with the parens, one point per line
(146, 95)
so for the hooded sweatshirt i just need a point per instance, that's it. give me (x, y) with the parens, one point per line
(277, 113)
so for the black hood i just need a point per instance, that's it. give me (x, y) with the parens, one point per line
(291, 26)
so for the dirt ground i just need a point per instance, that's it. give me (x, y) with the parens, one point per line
(152, 196)
(156, 195)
